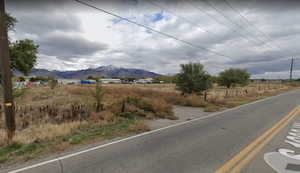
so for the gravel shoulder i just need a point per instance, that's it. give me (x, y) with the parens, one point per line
(183, 113)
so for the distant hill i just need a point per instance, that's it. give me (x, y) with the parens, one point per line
(104, 71)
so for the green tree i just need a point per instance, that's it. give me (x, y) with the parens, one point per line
(232, 77)
(10, 22)
(90, 77)
(23, 55)
(22, 52)
(193, 79)
(165, 79)
(22, 79)
(52, 82)
(214, 79)
(41, 78)
(98, 94)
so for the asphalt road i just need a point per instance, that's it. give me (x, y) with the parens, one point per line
(197, 146)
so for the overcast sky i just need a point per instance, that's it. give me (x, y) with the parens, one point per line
(72, 36)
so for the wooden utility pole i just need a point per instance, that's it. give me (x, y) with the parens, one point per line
(6, 75)
(291, 70)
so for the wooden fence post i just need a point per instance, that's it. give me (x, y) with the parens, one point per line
(123, 105)
(205, 96)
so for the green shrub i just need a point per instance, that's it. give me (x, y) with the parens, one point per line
(193, 79)
(231, 77)
(130, 107)
(98, 96)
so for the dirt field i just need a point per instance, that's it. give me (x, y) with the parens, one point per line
(55, 120)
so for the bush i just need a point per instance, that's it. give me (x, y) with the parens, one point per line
(211, 108)
(231, 77)
(193, 79)
(18, 92)
(98, 96)
(194, 101)
(130, 107)
(102, 116)
(52, 81)
(139, 126)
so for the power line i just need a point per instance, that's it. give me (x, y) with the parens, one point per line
(248, 22)
(151, 29)
(181, 17)
(218, 21)
(184, 18)
(227, 18)
(270, 40)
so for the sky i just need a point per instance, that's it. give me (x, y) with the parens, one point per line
(258, 35)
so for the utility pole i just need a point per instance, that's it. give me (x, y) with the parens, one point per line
(8, 103)
(291, 70)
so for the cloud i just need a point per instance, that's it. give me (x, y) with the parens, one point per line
(39, 23)
(67, 46)
(72, 36)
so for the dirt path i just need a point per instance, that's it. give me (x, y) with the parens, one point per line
(182, 112)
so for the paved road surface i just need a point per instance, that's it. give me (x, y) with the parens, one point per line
(196, 147)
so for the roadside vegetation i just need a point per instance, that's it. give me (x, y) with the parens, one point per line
(52, 120)
(55, 117)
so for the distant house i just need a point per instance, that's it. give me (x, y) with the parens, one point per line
(43, 83)
(68, 81)
(111, 81)
(33, 84)
(144, 81)
(20, 84)
(87, 82)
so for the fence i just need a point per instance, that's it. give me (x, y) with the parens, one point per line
(51, 113)
(254, 89)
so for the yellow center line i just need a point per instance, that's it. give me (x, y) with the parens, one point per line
(250, 156)
(263, 139)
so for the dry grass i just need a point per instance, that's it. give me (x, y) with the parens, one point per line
(42, 132)
(139, 126)
(66, 115)
(47, 131)
(106, 116)
(154, 87)
(50, 138)
(212, 108)
(65, 105)
(56, 119)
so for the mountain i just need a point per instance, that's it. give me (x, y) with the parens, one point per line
(104, 71)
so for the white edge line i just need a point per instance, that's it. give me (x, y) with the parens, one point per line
(145, 133)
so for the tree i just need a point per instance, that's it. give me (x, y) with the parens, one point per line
(10, 22)
(231, 77)
(165, 79)
(23, 55)
(22, 79)
(40, 78)
(214, 79)
(52, 81)
(98, 96)
(128, 79)
(23, 52)
(91, 77)
(193, 79)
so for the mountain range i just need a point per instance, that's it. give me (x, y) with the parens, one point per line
(109, 71)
